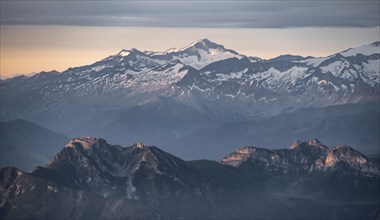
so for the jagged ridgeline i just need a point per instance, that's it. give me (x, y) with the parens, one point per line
(91, 179)
(205, 96)
(203, 75)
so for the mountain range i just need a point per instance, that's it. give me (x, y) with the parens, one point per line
(184, 94)
(203, 75)
(91, 179)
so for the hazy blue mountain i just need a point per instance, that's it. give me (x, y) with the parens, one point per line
(25, 144)
(355, 124)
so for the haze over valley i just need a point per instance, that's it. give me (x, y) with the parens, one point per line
(190, 110)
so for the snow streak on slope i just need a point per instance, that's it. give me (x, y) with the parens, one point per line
(365, 50)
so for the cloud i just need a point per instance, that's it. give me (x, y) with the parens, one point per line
(210, 14)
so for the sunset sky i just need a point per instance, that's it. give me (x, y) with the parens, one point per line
(54, 35)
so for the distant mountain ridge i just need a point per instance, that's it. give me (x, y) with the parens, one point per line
(203, 75)
(91, 179)
(167, 97)
(25, 145)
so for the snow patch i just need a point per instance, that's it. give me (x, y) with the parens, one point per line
(124, 53)
(314, 61)
(275, 79)
(340, 69)
(205, 57)
(365, 50)
(371, 71)
(131, 190)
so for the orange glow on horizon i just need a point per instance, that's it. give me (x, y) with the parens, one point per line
(28, 49)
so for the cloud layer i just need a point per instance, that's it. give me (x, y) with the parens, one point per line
(214, 14)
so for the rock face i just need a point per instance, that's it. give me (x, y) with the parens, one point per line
(95, 165)
(303, 157)
(91, 179)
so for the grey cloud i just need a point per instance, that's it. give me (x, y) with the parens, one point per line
(240, 14)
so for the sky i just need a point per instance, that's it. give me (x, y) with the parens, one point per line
(55, 35)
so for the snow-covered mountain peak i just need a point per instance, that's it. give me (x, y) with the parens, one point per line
(365, 50)
(197, 44)
(124, 53)
(231, 83)
(203, 52)
(208, 46)
(130, 52)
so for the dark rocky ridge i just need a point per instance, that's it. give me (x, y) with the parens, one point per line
(303, 156)
(91, 179)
